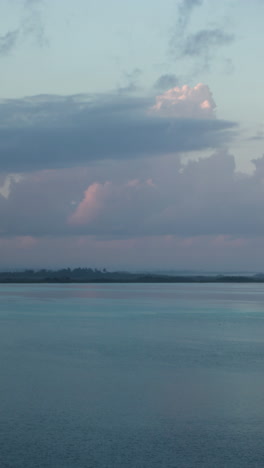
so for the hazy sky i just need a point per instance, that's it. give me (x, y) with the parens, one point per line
(132, 134)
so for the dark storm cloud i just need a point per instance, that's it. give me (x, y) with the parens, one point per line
(54, 131)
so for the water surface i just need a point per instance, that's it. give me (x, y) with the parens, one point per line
(111, 376)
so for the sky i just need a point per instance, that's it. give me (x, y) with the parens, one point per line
(132, 134)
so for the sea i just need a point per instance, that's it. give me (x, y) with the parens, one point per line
(131, 375)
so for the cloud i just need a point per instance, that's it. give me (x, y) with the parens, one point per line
(45, 132)
(196, 102)
(39, 203)
(203, 198)
(131, 81)
(166, 81)
(259, 136)
(7, 183)
(8, 42)
(205, 41)
(206, 197)
(201, 253)
(103, 204)
(185, 9)
(200, 46)
(30, 26)
(92, 203)
(184, 12)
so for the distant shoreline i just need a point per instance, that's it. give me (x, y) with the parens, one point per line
(90, 276)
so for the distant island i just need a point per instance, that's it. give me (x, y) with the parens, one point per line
(89, 275)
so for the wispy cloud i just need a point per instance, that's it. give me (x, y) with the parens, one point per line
(30, 26)
(166, 81)
(205, 41)
(259, 136)
(200, 46)
(8, 42)
(185, 10)
(131, 80)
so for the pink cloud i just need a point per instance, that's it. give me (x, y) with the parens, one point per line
(91, 204)
(115, 200)
(196, 102)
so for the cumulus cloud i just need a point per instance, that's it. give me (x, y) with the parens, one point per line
(56, 131)
(206, 197)
(116, 205)
(92, 203)
(196, 102)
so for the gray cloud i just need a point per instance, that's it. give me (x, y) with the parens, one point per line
(166, 81)
(203, 42)
(185, 9)
(201, 198)
(55, 131)
(8, 42)
(201, 46)
(131, 80)
(205, 197)
(41, 202)
(30, 26)
(259, 136)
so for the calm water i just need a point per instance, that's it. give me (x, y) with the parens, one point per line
(132, 376)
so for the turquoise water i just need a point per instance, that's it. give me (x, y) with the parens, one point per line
(111, 376)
